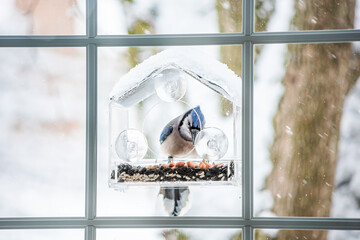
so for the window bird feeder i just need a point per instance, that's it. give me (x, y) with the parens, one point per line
(149, 109)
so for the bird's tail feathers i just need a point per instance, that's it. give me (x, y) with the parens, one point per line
(175, 200)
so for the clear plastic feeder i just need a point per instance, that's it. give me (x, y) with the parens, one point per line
(163, 88)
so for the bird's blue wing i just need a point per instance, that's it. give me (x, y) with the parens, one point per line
(198, 119)
(166, 132)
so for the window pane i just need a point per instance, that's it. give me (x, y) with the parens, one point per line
(306, 131)
(42, 234)
(270, 234)
(42, 125)
(169, 16)
(273, 15)
(146, 112)
(39, 17)
(160, 234)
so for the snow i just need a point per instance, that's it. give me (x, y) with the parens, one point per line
(209, 71)
(111, 15)
(20, 23)
(280, 21)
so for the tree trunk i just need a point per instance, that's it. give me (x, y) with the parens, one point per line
(307, 123)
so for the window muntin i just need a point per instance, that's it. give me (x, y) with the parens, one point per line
(42, 106)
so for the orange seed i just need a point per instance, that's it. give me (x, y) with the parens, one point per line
(191, 164)
(202, 165)
(180, 164)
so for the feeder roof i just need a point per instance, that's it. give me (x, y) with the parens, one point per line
(138, 83)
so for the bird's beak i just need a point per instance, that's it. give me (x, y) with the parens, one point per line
(194, 133)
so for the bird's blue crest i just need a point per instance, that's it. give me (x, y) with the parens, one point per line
(198, 119)
(165, 133)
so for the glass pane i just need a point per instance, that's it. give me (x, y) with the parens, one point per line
(39, 17)
(277, 15)
(272, 234)
(144, 112)
(42, 140)
(169, 16)
(306, 131)
(42, 234)
(169, 234)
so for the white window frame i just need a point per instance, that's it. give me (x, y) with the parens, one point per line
(247, 223)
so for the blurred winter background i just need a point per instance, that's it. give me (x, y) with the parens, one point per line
(306, 114)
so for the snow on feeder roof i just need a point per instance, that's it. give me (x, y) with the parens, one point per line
(139, 82)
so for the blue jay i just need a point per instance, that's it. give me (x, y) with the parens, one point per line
(177, 140)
